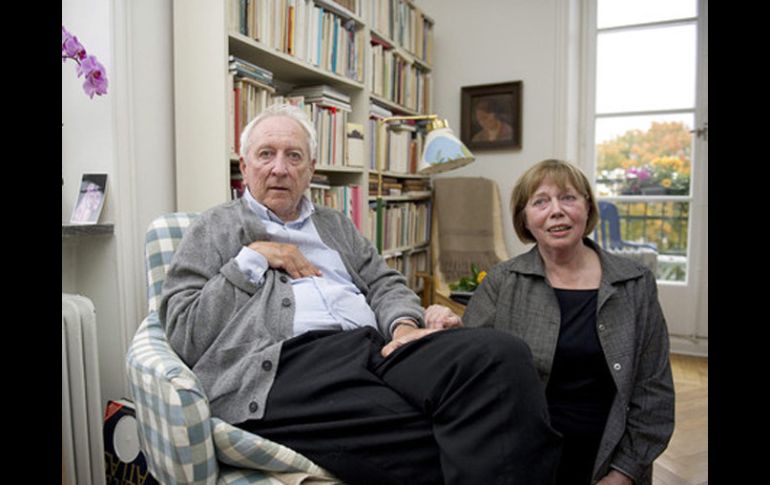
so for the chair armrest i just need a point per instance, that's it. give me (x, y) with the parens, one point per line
(427, 288)
(171, 408)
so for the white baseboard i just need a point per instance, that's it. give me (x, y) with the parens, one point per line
(698, 346)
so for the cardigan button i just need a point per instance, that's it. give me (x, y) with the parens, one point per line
(286, 302)
(284, 278)
(617, 366)
(267, 366)
(253, 406)
(602, 328)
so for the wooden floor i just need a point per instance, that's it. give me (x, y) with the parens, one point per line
(685, 462)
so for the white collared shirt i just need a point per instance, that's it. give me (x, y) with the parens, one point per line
(327, 302)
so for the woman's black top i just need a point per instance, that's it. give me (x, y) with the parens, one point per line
(580, 389)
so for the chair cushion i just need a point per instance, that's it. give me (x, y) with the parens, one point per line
(171, 409)
(244, 450)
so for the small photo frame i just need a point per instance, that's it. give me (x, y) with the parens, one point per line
(90, 199)
(491, 116)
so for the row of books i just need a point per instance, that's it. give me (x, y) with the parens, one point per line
(327, 107)
(395, 78)
(399, 224)
(395, 147)
(248, 99)
(410, 264)
(406, 25)
(386, 185)
(344, 198)
(305, 30)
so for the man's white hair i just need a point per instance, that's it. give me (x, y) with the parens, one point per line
(281, 109)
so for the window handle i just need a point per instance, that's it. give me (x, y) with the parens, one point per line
(702, 132)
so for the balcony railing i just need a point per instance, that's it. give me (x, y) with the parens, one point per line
(663, 222)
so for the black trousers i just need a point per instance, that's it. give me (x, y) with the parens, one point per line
(461, 406)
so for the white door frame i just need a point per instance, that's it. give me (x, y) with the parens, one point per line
(685, 305)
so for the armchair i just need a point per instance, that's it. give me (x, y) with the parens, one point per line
(466, 228)
(181, 441)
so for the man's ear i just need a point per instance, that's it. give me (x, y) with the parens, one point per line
(242, 165)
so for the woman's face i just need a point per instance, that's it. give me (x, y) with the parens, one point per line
(486, 119)
(556, 217)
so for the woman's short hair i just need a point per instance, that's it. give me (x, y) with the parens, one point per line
(488, 105)
(281, 109)
(560, 173)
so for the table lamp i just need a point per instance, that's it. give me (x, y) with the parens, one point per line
(443, 150)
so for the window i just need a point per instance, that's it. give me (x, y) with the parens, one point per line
(644, 122)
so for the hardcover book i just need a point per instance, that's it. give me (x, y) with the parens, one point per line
(355, 139)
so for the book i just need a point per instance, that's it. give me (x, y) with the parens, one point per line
(355, 140)
(321, 91)
(124, 462)
(90, 199)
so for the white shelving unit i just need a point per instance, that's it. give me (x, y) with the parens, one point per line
(202, 45)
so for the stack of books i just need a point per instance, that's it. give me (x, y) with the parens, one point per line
(324, 95)
(245, 69)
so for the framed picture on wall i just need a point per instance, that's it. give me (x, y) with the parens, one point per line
(491, 116)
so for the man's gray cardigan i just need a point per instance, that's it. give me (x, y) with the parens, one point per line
(230, 331)
(516, 297)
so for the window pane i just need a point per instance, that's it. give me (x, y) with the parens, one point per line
(662, 224)
(643, 155)
(647, 69)
(612, 13)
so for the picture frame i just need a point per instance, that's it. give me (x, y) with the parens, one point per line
(90, 199)
(491, 116)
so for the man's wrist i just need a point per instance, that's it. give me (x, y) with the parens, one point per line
(399, 323)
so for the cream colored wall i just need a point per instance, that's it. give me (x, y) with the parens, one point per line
(493, 41)
(127, 134)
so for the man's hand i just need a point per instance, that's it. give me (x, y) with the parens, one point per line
(286, 257)
(403, 334)
(441, 317)
(614, 477)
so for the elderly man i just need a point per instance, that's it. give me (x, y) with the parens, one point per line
(301, 333)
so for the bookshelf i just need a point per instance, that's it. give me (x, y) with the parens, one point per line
(382, 66)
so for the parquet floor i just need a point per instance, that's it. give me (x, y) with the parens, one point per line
(685, 461)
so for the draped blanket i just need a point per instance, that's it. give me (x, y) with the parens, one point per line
(466, 208)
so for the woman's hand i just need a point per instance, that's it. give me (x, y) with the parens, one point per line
(441, 317)
(614, 477)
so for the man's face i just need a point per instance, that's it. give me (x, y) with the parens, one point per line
(277, 168)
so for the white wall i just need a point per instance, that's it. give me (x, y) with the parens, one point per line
(127, 134)
(492, 41)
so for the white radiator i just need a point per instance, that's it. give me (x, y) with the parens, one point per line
(81, 407)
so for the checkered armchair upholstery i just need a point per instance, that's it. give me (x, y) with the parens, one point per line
(182, 442)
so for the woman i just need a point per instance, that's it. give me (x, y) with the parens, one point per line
(595, 327)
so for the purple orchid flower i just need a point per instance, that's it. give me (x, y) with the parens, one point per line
(96, 79)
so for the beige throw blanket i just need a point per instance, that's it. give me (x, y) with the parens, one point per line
(466, 208)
